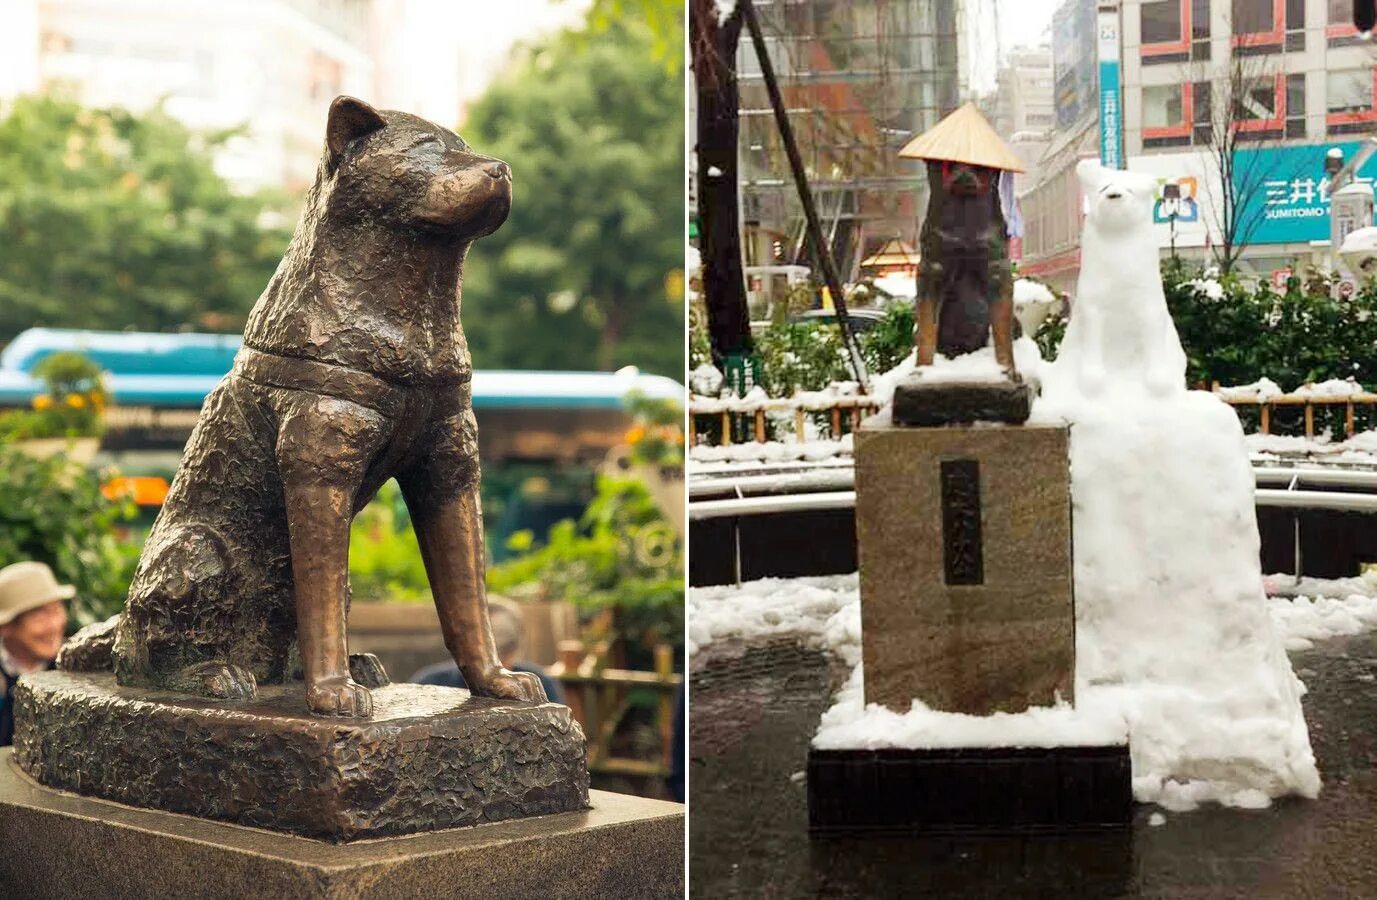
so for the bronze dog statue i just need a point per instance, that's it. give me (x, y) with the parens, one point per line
(965, 289)
(354, 370)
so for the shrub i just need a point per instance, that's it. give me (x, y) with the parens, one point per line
(71, 406)
(54, 512)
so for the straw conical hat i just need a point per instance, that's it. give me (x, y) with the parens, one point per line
(966, 137)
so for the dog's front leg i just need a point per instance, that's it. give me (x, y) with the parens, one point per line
(323, 451)
(441, 491)
(318, 517)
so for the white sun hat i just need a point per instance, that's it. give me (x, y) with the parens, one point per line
(29, 585)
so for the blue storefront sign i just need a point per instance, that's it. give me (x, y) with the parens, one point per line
(1111, 106)
(1283, 192)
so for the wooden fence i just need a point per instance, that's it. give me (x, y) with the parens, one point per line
(1267, 405)
(600, 699)
(844, 409)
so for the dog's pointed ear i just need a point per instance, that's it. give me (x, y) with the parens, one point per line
(350, 119)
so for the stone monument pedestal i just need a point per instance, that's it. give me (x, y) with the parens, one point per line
(925, 404)
(54, 844)
(964, 538)
(430, 757)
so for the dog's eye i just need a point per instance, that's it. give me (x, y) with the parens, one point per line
(424, 140)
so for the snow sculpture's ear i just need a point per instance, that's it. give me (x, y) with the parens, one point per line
(349, 120)
(1091, 175)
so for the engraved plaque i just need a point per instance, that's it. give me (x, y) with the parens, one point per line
(962, 554)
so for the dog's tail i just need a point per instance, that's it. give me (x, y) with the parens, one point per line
(90, 649)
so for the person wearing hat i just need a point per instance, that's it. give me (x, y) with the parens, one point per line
(33, 623)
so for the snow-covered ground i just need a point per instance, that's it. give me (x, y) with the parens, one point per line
(824, 613)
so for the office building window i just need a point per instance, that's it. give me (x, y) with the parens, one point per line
(1165, 31)
(1295, 105)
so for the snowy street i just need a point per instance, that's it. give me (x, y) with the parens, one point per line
(756, 709)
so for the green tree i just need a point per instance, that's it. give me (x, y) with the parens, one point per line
(587, 272)
(113, 220)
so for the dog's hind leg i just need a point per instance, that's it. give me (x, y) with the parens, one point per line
(441, 490)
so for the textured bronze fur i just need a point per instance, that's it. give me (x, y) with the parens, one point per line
(354, 370)
(965, 288)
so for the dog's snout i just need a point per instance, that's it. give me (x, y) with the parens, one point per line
(499, 170)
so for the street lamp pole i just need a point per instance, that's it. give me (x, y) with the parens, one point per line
(1171, 194)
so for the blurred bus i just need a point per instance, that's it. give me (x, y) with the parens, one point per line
(541, 434)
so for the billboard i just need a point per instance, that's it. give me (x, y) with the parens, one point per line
(1284, 192)
(1194, 213)
(1111, 102)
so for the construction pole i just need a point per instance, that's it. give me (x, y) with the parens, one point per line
(805, 195)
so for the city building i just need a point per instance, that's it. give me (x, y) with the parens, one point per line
(860, 78)
(271, 66)
(1291, 76)
(1024, 99)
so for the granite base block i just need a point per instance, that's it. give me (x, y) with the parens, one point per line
(964, 539)
(988, 790)
(430, 757)
(922, 403)
(54, 844)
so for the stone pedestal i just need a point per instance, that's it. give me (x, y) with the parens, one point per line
(964, 536)
(969, 790)
(920, 402)
(430, 757)
(54, 844)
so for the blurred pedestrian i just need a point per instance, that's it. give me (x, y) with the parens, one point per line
(33, 623)
(508, 633)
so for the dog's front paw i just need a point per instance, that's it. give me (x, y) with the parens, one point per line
(339, 697)
(509, 686)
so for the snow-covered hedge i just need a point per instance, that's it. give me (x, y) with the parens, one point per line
(1237, 333)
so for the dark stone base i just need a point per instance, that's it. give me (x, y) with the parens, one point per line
(57, 845)
(926, 404)
(986, 790)
(430, 757)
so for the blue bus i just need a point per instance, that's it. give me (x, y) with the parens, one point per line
(541, 434)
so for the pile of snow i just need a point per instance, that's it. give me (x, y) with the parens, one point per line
(827, 397)
(904, 287)
(754, 399)
(772, 451)
(1207, 289)
(1260, 390)
(1334, 387)
(1303, 620)
(1033, 303)
(706, 380)
(981, 367)
(1171, 617)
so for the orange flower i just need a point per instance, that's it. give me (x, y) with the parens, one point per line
(635, 434)
(42, 402)
(76, 401)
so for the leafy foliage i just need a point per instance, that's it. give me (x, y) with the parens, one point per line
(621, 554)
(657, 437)
(70, 407)
(54, 512)
(587, 273)
(809, 355)
(1236, 333)
(384, 559)
(111, 220)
